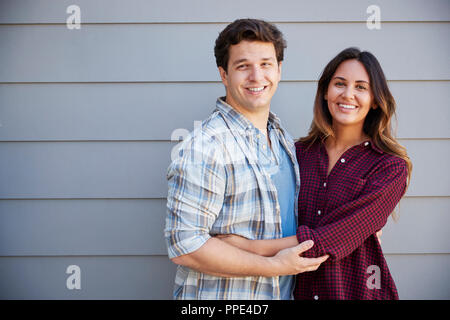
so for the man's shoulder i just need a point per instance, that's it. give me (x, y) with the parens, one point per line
(276, 122)
(205, 138)
(209, 129)
(214, 124)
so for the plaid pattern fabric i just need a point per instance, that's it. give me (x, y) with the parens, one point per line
(342, 213)
(218, 186)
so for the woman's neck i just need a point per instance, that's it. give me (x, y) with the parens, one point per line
(345, 138)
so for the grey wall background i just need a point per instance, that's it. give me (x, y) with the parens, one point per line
(86, 118)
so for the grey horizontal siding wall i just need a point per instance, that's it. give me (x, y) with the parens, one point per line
(175, 52)
(86, 119)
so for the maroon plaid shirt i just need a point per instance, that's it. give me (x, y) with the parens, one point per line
(342, 213)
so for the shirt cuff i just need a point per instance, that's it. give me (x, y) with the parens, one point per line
(188, 244)
(303, 234)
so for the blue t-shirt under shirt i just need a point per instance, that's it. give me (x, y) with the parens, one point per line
(281, 169)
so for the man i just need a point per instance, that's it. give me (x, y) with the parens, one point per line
(237, 174)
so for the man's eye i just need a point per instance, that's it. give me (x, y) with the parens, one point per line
(241, 66)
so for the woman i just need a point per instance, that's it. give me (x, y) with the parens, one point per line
(353, 174)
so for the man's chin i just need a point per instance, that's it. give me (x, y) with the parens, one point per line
(251, 106)
(261, 104)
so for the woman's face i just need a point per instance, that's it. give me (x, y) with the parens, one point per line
(349, 95)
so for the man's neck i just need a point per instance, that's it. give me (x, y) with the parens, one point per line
(258, 118)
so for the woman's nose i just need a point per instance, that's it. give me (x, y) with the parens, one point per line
(348, 92)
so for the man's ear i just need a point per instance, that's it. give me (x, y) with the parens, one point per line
(223, 75)
(279, 70)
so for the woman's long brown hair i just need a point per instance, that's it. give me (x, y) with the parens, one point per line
(377, 124)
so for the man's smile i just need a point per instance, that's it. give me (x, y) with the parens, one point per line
(256, 90)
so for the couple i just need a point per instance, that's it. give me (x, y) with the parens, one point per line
(253, 216)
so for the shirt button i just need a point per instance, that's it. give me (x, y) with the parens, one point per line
(316, 297)
(258, 136)
(366, 144)
(319, 212)
(324, 184)
(264, 146)
(342, 160)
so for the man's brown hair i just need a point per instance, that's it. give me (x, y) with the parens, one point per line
(249, 30)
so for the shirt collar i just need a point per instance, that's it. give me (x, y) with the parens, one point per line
(364, 144)
(239, 119)
(368, 143)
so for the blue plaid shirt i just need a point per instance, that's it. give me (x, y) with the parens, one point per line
(217, 185)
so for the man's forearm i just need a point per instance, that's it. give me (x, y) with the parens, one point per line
(218, 258)
(271, 247)
(266, 248)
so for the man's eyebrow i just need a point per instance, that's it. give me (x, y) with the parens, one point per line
(245, 59)
(239, 61)
(341, 78)
(270, 58)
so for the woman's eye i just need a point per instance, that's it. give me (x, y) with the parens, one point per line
(339, 84)
(360, 87)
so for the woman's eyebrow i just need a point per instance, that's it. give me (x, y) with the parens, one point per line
(341, 78)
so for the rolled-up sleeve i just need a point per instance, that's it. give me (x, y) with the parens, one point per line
(196, 187)
(349, 225)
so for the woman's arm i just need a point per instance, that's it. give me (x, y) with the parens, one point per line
(359, 219)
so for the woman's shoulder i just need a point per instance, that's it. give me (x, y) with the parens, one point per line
(299, 144)
(388, 163)
(386, 158)
(302, 145)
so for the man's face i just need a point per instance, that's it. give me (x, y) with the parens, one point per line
(252, 77)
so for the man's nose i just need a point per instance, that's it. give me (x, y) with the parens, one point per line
(256, 73)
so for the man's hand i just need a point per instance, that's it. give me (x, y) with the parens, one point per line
(289, 262)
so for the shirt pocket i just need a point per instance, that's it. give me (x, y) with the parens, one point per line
(347, 189)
